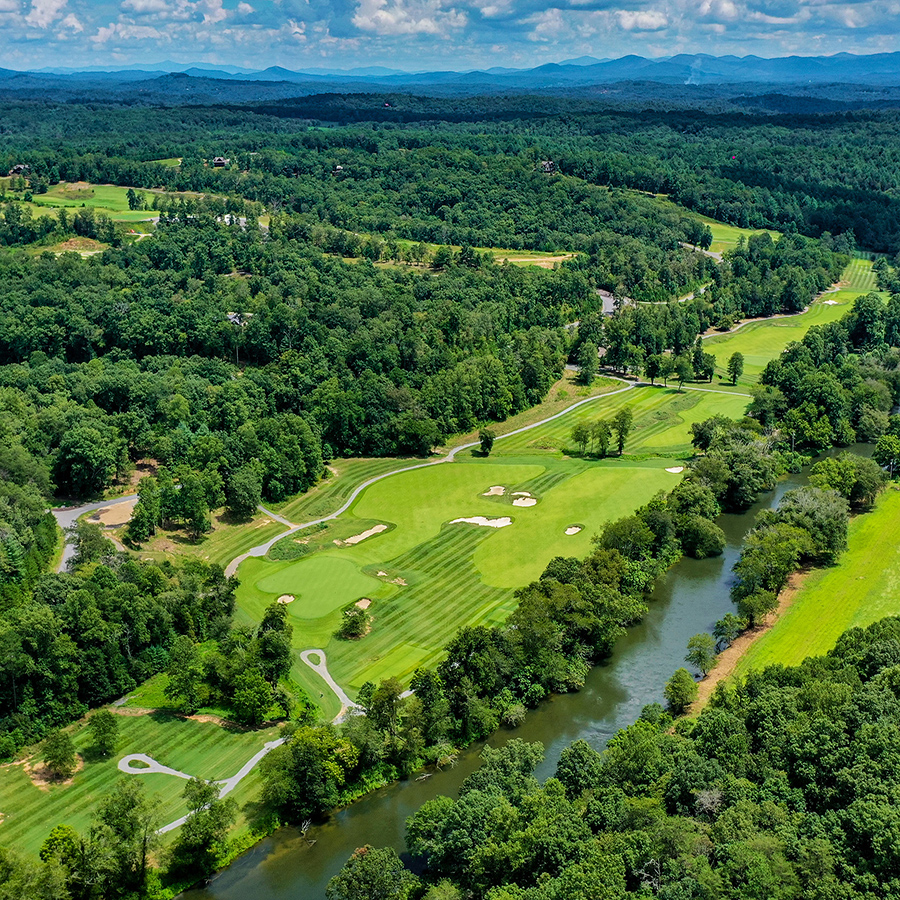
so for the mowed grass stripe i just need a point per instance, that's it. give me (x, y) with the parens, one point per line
(444, 593)
(197, 748)
(863, 587)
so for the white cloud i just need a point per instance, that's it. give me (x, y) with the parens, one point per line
(125, 31)
(245, 9)
(43, 12)
(72, 24)
(402, 17)
(10, 6)
(141, 7)
(648, 20)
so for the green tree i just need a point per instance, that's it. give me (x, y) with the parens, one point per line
(587, 362)
(735, 366)
(728, 629)
(252, 697)
(203, 838)
(601, 432)
(887, 453)
(59, 755)
(581, 435)
(372, 874)
(684, 370)
(680, 691)
(755, 606)
(244, 491)
(104, 728)
(486, 436)
(185, 673)
(86, 461)
(702, 652)
(621, 424)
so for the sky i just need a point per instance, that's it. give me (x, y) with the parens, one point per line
(417, 35)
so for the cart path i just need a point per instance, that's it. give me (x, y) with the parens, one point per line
(151, 766)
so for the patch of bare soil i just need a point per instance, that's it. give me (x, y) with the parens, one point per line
(117, 514)
(42, 778)
(133, 711)
(80, 245)
(731, 656)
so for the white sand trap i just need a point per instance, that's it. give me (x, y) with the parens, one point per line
(574, 529)
(521, 493)
(496, 491)
(365, 603)
(284, 599)
(502, 522)
(381, 574)
(524, 501)
(831, 302)
(675, 470)
(376, 529)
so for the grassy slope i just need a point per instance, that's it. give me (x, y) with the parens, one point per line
(196, 748)
(862, 588)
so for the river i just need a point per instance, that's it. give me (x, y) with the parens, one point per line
(689, 598)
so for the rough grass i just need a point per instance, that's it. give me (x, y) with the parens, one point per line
(863, 587)
(227, 540)
(196, 748)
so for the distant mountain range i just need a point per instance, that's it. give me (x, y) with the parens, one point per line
(169, 82)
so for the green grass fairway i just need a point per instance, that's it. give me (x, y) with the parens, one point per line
(436, 577)
(197, 748)
(320, 585)
(662, 420)
(764, 340)
(862, 588)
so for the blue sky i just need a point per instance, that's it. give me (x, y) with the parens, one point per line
(430, 34)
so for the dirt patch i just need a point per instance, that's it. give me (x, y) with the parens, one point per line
(112, 516)
(502, 522)
(43, 779)
(365, 603)
(399, 581)
(731, 656)
(80, 245)
(284, 599)
(133, 711)
(358, 538)
(301, 540)
(206, 717)
(262, 523)
(545, 262)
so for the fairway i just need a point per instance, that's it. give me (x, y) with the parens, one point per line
(863, 587)
(203, 749)
(764, 340)
(428, 577)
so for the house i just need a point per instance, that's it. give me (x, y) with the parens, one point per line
(220, 161)
(547, 166)
(337, 170)
(19, 169)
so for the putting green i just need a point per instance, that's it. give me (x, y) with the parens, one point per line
(321, 584)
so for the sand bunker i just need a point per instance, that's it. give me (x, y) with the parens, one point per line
(381, 574)
(574, 529)
(525, 501)
(284, 599)
(521, 493)
(675, 470)
(375, 529)
(497, 491)
(365, 603)
(502, 522)
(831, 302)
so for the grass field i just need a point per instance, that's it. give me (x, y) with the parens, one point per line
(196, 748)
(103, 198)
(863, 587)
(761, 341)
